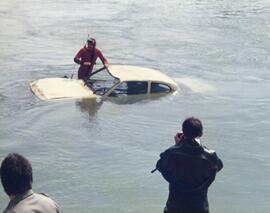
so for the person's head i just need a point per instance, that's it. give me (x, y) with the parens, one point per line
(16, 174)
(90, 43)
(192, 128)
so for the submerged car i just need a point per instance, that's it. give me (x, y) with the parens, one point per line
(114, 81)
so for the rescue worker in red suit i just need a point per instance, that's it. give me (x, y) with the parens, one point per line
(87, 57)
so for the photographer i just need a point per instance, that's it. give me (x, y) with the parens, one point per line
(190, 168)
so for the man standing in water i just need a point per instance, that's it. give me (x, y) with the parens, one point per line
(87, 57)
(190, 168)
(16, 178)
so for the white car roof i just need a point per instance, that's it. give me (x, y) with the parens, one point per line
(134, 73)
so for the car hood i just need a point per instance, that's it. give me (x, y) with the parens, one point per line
(61, 88)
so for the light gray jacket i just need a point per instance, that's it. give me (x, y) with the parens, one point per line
(31, 202)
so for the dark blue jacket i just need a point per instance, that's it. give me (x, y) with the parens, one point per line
(190, 168)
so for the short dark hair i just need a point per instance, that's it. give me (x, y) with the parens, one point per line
(16, 174)
(192, 127)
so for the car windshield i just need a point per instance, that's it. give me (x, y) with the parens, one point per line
(101, 82)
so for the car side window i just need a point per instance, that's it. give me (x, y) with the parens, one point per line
(130, 88)
(159, 88)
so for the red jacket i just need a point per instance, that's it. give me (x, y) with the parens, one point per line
(86, 55)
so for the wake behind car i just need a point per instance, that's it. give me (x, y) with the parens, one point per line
(114, 81)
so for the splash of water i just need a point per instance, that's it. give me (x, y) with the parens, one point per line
(195, 85)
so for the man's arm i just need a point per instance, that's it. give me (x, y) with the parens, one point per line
(217, 163)
(164, 167)
(102, 58)
(77, 58)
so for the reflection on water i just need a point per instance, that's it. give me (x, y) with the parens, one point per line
(195, 85)
(91, 106)
(131, 99)
(2, 97)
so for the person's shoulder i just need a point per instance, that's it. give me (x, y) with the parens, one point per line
(208, 151)
(213, 157)
(44, 197)
(83, 49)
(97, 50)
(37, 200)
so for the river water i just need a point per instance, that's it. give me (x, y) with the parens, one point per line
(97, 157)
